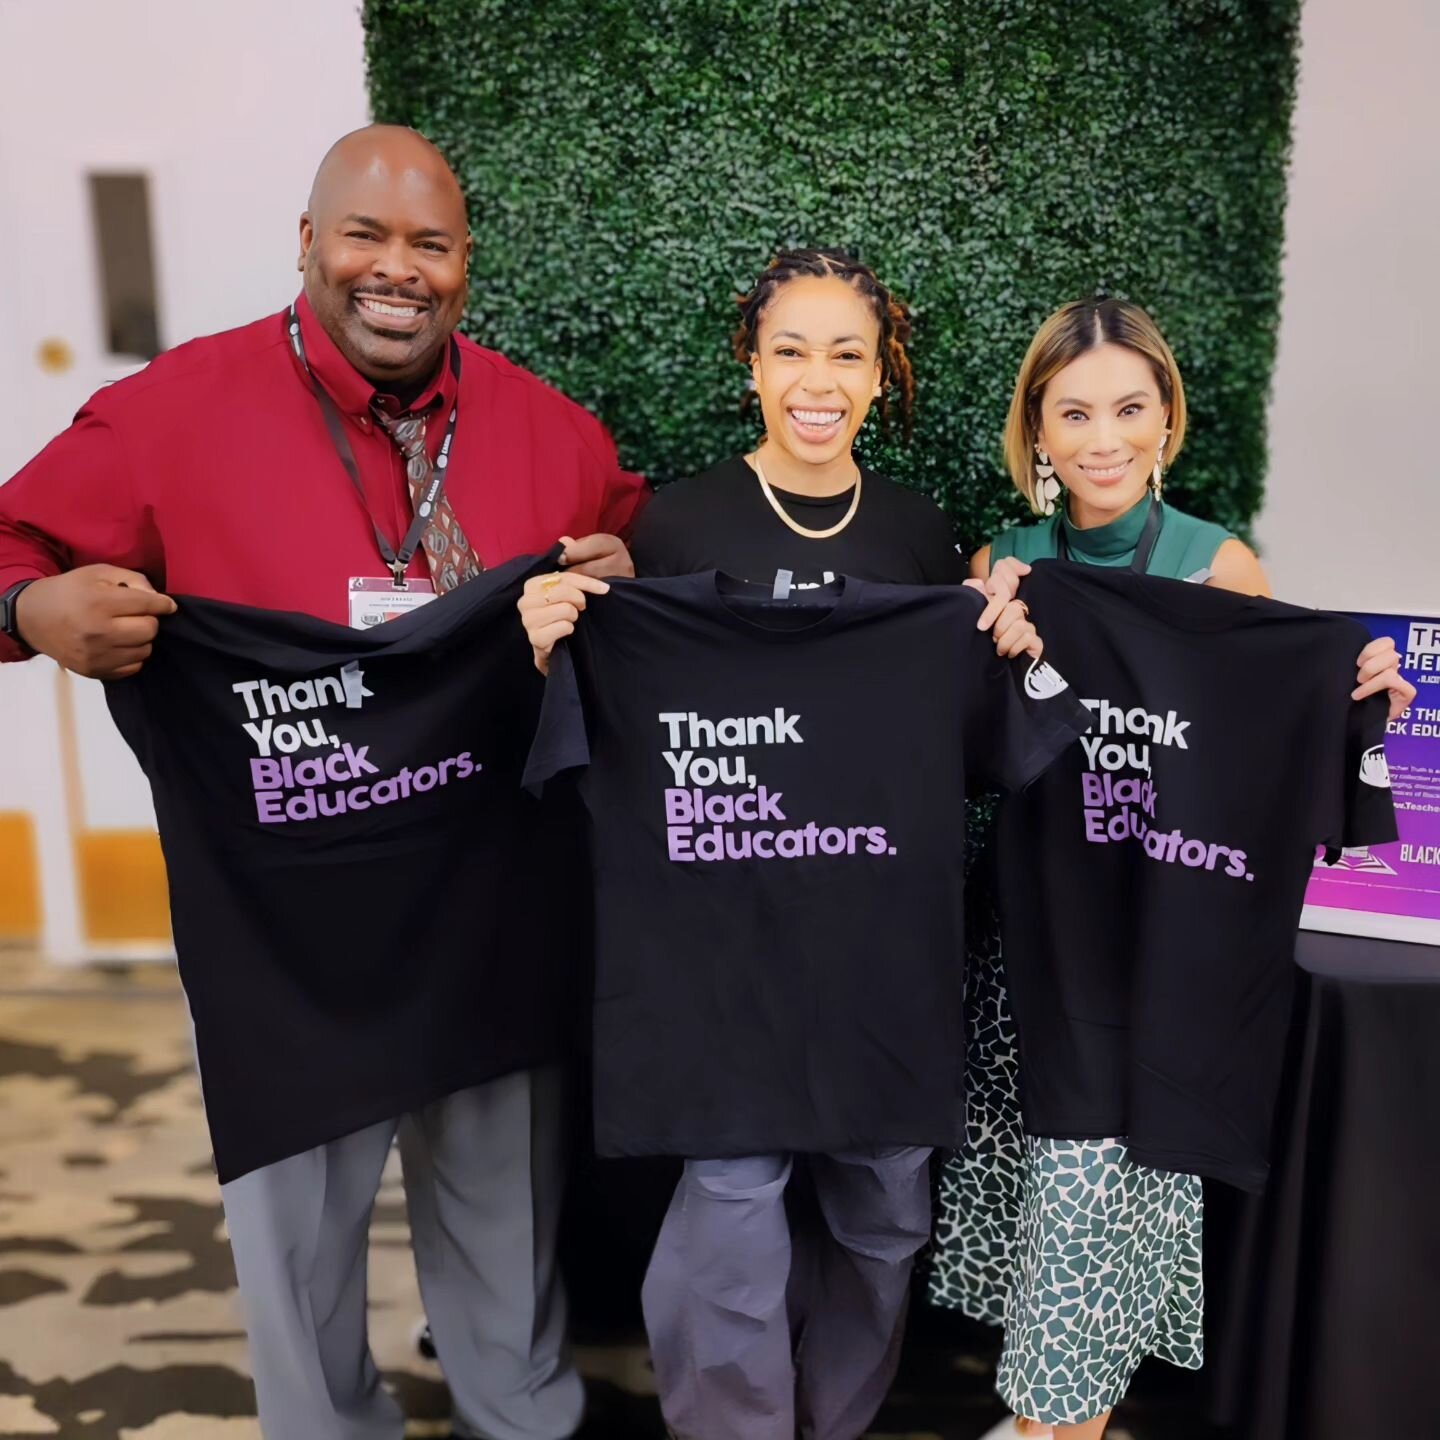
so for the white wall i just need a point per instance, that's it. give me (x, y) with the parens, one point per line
(1352, 512)
(228, 109)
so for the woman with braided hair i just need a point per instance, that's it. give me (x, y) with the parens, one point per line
(825, 343)
(755, 1332)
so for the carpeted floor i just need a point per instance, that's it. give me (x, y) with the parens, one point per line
(118, 1310)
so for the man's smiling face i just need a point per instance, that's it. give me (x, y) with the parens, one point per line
(383, 248)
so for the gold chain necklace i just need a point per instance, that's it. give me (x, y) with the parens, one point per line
(780, 510)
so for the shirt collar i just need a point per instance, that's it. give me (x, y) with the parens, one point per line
(1117, 538)
(349, 389)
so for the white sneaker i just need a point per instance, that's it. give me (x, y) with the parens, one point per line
(1008, 1429)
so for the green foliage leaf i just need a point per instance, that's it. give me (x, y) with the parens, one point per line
(631, 167)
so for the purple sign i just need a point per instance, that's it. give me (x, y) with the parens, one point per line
(1394, 890)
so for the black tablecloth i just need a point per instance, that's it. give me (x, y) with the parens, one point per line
(1323, 1312)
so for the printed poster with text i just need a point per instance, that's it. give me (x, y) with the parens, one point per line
(1394, 890)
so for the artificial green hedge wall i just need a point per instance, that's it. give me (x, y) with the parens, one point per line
(630, 166)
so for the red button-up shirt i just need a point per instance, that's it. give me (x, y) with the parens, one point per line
(212, 473)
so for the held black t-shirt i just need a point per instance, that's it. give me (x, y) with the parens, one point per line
(721, 520)
(777, 795)
(352, 861)
(1151, 882)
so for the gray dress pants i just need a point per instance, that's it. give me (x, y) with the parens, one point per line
(483, 1178)
(751, 1334)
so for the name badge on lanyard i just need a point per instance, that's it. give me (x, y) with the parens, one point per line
(374, 599)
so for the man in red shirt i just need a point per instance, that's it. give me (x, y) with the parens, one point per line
(274, 465)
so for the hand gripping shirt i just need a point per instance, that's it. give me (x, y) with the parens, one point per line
(351, 858)
(777, 795)
(1151, 882)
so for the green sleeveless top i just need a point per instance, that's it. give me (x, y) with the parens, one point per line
(1183, 546)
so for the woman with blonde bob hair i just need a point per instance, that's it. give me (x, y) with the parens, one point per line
(1100, 1257)
(1086, 461)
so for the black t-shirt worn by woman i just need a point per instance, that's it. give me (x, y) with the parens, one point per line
(775, 788)
(721, 520)
(1152, 881)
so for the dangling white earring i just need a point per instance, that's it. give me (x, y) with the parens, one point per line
(1157, 475)
(1047, 487)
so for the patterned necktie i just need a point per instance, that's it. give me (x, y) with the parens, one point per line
(449, 554)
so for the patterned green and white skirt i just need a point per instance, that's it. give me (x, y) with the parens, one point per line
(1090, 1261)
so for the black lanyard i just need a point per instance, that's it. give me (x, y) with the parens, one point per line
(1144, 548)
(399, 560)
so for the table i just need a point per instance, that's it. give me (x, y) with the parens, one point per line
(1324, 1294)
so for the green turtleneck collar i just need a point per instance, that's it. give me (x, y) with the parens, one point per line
(1112, 543)
(1184, 546)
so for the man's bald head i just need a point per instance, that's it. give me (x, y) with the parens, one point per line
(394, 151)
(384, 247)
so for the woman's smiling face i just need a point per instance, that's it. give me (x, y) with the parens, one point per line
(816, 367)
(1102, 423)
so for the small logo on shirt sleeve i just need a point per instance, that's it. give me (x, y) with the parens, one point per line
(352, 677)
(1043, 681)
(1373, 768)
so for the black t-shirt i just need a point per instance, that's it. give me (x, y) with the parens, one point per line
(777, 795)
(721, 521)
(351, 859)
(1151, 882)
